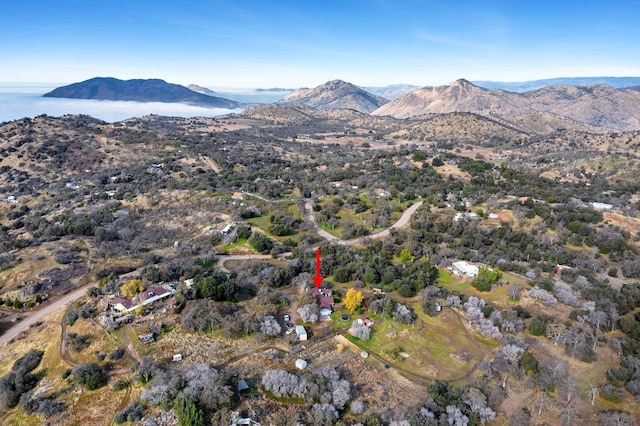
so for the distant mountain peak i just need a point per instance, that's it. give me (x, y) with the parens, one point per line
(335, 94)
(138, 90)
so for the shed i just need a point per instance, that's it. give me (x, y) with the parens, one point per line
(177, 357)
(301, 333)
(242, 385)
(301, 364)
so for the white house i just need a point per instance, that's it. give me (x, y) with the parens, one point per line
(301, 332)
(462, 268)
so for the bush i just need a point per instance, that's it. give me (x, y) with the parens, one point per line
(132, 413)
(90, 375)
(117, 354)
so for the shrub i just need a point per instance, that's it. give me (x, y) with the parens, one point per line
(90, 375)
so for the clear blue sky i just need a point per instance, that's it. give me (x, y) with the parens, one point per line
(275, 43)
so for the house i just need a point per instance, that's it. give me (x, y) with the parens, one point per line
(223, 228)
(301, 333)
(462, 268)
(469, 216)
(381, 193)
(238, 196)
(324, 298)
(121, 304)
(301, 364)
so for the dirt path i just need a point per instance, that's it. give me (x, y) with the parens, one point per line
(402, 221)
(35, 316)
(224, 258)
(211, 163)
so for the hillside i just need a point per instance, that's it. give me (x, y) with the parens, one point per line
(335, 94)
(138, 90)
(600, 106)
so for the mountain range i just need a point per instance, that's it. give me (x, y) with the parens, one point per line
(545, 108)
(598, 105)
(523, 86)
(139, 90)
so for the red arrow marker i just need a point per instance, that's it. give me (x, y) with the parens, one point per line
(317, 279)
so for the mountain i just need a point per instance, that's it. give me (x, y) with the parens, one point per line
(335, 94)
(202, 90)
(152, 90)
(460, 96)
(391, 92)
(599, 105)
(522, 86)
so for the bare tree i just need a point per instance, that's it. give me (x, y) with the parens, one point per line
(359, 330)
(543, 403)
(309, 313)
(270, 326)
(593, 393)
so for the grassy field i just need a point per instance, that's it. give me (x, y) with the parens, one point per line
(425, 348)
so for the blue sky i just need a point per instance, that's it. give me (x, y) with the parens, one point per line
(305, 43)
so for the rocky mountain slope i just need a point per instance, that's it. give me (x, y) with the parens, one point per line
(138, 90)
(600, 106)
(335, 94)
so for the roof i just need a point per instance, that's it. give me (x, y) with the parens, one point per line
(242, 385)
(153, 291)
(127, 303)
(324, 297)
(465, 268)
(300, 329)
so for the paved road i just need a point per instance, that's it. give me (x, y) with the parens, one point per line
(35, 316)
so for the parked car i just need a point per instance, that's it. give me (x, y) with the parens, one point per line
(289, 324)
(287, 318)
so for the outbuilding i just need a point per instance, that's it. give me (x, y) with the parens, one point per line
(301, 332)
(301, 364)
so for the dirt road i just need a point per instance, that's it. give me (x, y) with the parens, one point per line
(404, 219)
(214, 166)
(35, 316)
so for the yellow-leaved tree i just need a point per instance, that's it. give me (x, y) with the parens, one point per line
(353, 299)
(131, 288)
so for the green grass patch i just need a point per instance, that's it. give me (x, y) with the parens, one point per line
(240, 243)
(444, 276)
(425, 347)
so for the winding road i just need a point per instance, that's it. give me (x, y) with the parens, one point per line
(404, 219)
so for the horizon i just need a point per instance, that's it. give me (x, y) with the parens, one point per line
(290, 44)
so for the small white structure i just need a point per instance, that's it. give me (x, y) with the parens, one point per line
(462, 268)
(601, 206)
(469, 216)
(301, 364)
(364, 354)
(301, 332)
(177, 357)
(189, 282)
(325, 314)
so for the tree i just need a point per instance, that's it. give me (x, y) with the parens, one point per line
(189, 414)
(406, 256)
(485, 279)
(131, 288)
(514, 291)
(359, 330)
(90, 375)
(309, 313)
(269, 326)
(353, 299)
